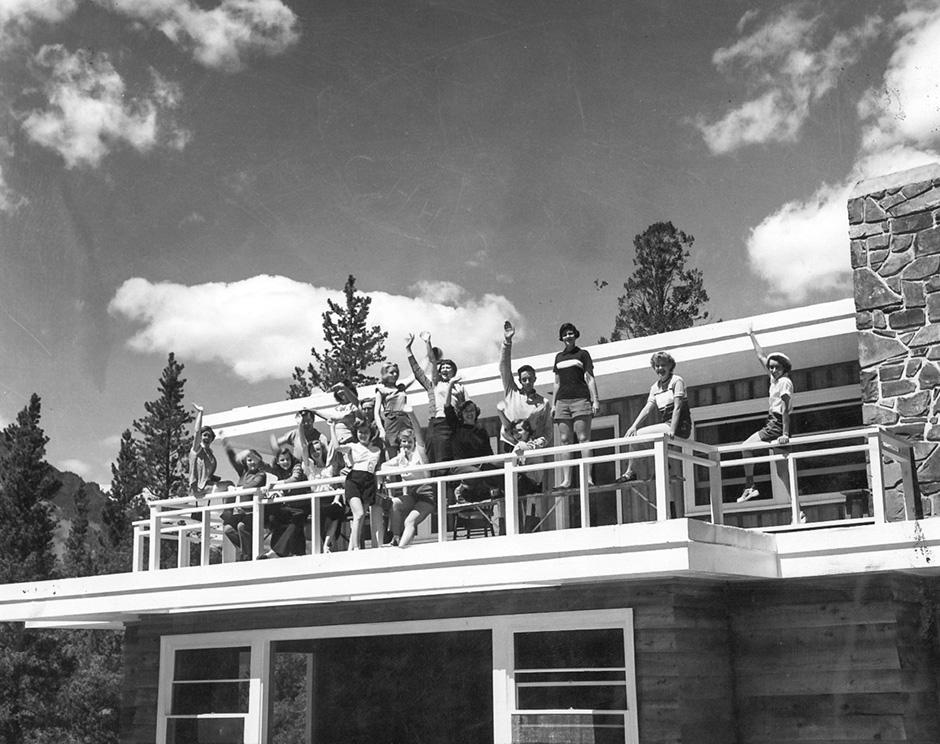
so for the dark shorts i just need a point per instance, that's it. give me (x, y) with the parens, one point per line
(425, 493)
(333, 511)
(773, 428)
(395, 423)
(572, 408)
(360, 485)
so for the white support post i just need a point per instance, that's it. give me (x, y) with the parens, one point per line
(206, 544)
(182, 549)
(441, 511)
(257, 525)
(876, 474)
(316, 522)
(688, 477)
(137, 554)
(908, 482)
(511, 516)
(661, 469)
(155, 527)
(583, 494)
(794, 491)
(714, 489)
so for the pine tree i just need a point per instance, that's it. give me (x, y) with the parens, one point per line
(352, 346)
(79, 558)
(125, 503)
(164, 438)
(661, 294)
(26, 485)
(30, 664)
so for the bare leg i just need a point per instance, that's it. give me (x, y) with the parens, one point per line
(355, 528)
(749, 491)
(629, 473)
(377, 523)
(582, 430)
(401, 505)
(416, 516)
(565, 436)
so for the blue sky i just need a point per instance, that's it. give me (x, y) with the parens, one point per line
(199, 177)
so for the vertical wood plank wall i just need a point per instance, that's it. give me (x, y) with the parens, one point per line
(847, 659)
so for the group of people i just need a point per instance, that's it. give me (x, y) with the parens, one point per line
(383, 437)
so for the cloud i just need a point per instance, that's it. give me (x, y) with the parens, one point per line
(79, 467)
(787, 65)
(221, 37)
(10, 201)
(261, 327)
(90, 112)
(18, 17)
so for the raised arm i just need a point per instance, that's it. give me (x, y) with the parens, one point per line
(757, 347)
(233, 458)
(429, 350)
(419, 374)
(505, 359)
(197, 427)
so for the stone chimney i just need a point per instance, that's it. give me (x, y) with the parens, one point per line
(894, 226)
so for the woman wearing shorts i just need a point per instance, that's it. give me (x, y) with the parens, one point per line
(777, 427)
(413, 504)
(575, 401)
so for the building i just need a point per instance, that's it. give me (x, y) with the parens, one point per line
(655, 612)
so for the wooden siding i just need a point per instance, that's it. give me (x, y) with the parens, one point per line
(834, 660)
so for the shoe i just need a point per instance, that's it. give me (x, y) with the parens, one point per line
(747, 494)
(627, 477)
(460, 492)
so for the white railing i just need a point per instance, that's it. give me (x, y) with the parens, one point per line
(672, 465)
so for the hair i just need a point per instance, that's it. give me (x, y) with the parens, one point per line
(664, 358)
(208, 429)
(447, 361)
(364, 424)
(525, 368)
(782, 359)
(398, 435)
(386, 367)
(286, 450)
(525, 424)
(565, 327)
(436, 352)
(347, 385)
(467, 404)
(253, 452)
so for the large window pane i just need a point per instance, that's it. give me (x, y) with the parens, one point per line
(577, 697)
(212, 663)
(205, 731)
(194, 698)
(569, 649)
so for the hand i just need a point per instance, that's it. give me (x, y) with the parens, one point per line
(409, 340)
(198, 408)
(631, 432)
(454, 380)
(508, 331)
(596, 407)
(425, 336)
(783, 439)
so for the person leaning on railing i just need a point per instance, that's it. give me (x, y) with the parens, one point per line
(667, 401)
(411, 505)
(287, 520)
(202, 462)
(237, 521)
(780, 403)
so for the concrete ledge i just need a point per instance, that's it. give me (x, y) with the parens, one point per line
(895, 180)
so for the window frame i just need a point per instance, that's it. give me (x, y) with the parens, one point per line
(502, 628)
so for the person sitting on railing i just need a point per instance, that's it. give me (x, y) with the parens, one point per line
(668, 400)
(237, 520)
(202, 462)
(410, 505)
(362, 460)
(523, 442)
(520, 401)
(575, 397)
(472, 440)
(439, 445)
(780, 400)
(287, 520)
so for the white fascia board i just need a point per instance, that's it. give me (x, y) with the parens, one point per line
(812, 335)
(637, 551)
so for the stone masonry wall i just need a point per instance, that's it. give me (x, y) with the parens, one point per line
(894, 226)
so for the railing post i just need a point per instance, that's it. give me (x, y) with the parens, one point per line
(182, 548)
(441, 511)
(909, 482)
(780, 486)
(714, 489)
(204, 548)
(137, 549)
(583, 494)
(316, 528)
(688, 476)
(155, 527)
(876, 475)
(661, 469)
(257, 524)
(511, 516)
(794, 491)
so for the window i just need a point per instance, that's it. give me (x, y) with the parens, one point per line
(209, 696)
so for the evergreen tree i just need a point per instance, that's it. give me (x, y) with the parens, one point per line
(30, 664)
(26, 485)
(124, 503)
(661, 294)
(352, 346)
(164, 437)
(79, 558)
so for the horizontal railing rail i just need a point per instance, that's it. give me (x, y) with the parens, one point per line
(671, 463)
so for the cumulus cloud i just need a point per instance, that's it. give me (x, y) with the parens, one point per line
(79, 467)
(803, 247)
(788, 64)
(89, 110)
(264, 326)
(18, 17)
(221, 37)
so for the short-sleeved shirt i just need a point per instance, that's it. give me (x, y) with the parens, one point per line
(345, 416)
(780, 388)
(403, 459)
(202, 466)
(538, 413)
(361, 458)
(664, 398)
(571, 367)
